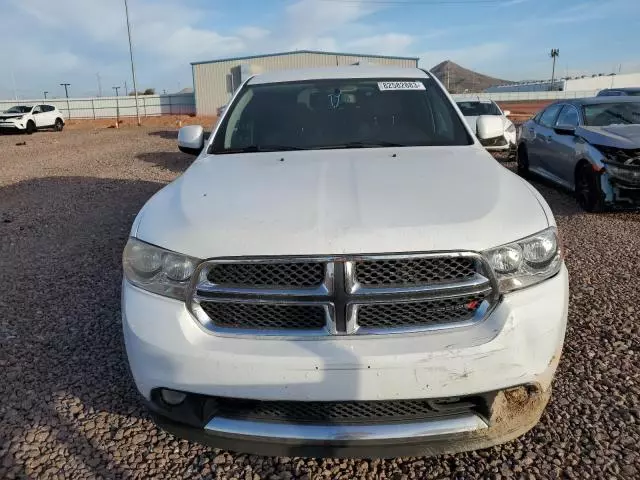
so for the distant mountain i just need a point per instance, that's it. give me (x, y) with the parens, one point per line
(460, 80)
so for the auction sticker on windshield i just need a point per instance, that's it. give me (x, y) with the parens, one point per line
(401, 86)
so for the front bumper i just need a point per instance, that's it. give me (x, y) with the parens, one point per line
(619, 193)
(518, 344)
(12, 126)
(514, 413)
(506, 143)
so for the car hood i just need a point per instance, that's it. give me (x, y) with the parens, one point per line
(472, 122)
(620, 136)
(11, 115)
(341, 201)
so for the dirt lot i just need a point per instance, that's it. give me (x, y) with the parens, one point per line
(164, 121)
(70, 410)
(522, 111)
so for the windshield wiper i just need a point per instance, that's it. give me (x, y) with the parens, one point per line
(375, 144)
(260, 148)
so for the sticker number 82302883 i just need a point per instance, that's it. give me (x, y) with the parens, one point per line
(401, 86)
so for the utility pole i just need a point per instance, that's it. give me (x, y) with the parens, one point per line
(126, 90)
(45, 94)
(117, 106)
(99, 84)
(13, 79)
(555, 53)
(448, 79)
(133, 71)
(66, 94)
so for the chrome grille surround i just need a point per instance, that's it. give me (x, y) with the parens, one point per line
(343, 298)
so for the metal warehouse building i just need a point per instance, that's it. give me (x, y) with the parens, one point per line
(214, 81)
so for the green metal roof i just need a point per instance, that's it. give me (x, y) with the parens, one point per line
(249, 57)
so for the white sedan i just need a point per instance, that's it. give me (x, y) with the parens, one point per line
(29, 118)
(472, 109)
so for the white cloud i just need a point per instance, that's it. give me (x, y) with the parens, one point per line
(386, 44)
(314, 24)
(253, 33)
(511, 3)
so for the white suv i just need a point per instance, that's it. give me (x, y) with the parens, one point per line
(29, 118)
(344, 271)
(507, 139)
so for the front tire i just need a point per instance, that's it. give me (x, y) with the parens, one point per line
(587, 189)
(31, 127)
(59, 125)
(522, 161)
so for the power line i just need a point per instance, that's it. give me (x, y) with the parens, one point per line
(487, 3)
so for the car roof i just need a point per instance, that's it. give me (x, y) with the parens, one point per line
(336, 73)
(598, 100)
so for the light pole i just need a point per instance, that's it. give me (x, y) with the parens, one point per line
(133, 71)
(66, 94)
(45, 94)
(117, 106)
(99, 84)
(555, 53)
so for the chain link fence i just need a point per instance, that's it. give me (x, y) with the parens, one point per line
(113, 107)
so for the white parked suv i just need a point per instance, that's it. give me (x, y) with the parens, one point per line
(506, 141)
(29, 118)
(344, 271)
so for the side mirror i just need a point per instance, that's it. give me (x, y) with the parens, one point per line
(191, 139)
(506, 112)
(565, 129)
(489, 126)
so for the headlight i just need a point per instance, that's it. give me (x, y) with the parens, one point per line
(157, 270)
(511, 128)
(526, 262)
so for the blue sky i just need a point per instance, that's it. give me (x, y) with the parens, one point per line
(72, 40)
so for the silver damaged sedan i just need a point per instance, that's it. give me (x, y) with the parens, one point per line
(588, 145)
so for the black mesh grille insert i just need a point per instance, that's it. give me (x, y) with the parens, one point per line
(422, 313)
(349, 412)
(302, 274)
(414, 271)
(265, 316)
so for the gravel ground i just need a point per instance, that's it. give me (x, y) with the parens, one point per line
(69, 408)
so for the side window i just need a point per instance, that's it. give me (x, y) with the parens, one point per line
(568, 117)
(37, 109)
(47, 108)
(548, 117)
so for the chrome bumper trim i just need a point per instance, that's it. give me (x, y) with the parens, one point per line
(396, 431)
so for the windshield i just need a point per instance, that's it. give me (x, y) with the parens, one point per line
(18, 109)
(603, 114)
(475, 109)
(342, 113)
